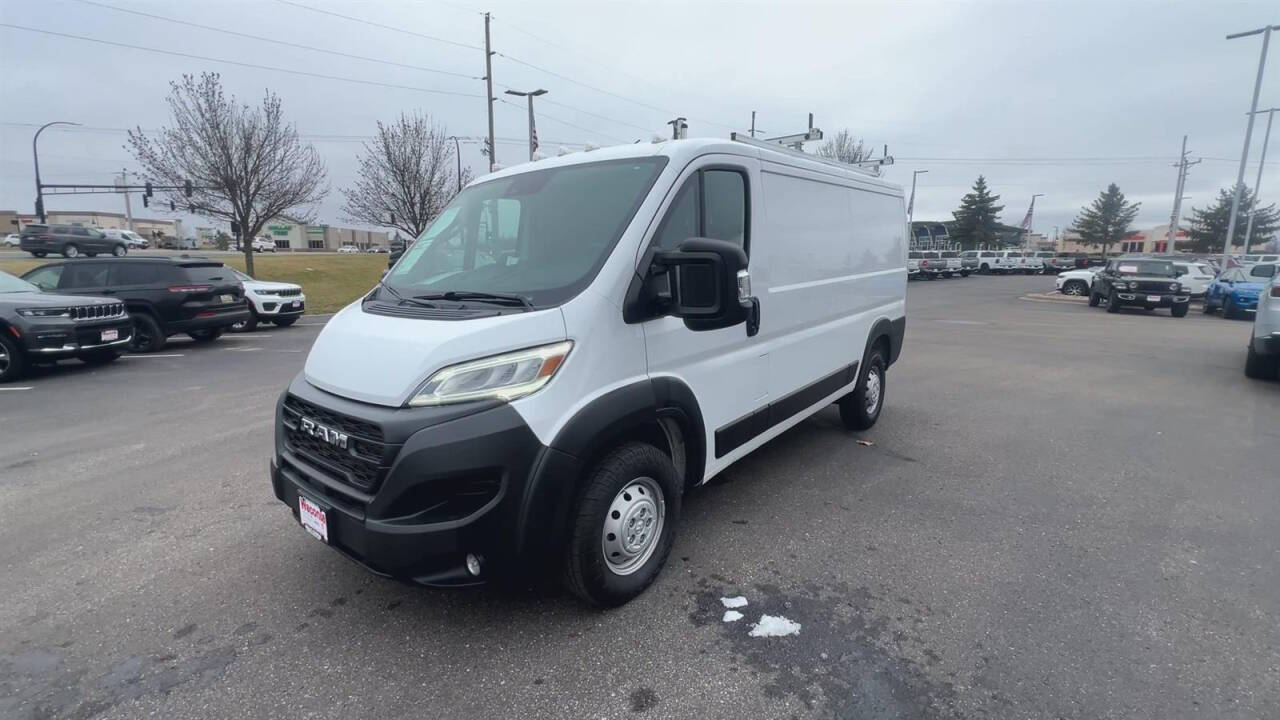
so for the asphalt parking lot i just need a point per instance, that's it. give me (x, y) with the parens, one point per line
(1062, 514)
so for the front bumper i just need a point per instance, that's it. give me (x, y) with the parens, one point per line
(450, 481)
(211, 319)
(67, 338)
(1142, 299)
(279, 306)
(1245, 303)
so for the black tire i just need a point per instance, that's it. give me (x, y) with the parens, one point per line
(13, 364)
(70, 250)
(1095, 299)
(120, 251)
(1208, 308)
(247, 326)
(964, 273)
(1180, 309)
(147, 335)
(1113, 302)
(100, 357)
(1074, 288)
(858, 410)
(984, 269)
(39, 253)
(587, 573)
(1228, 309)
(1260, 367)
(285, 321)
(206, 336)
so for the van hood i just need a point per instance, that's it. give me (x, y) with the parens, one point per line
(382, 360)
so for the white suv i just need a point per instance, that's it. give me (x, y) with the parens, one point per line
(273, 302)
(132, 240)
(1263, 361)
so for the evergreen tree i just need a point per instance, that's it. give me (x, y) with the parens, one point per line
(978, 219)
(1105, 222)
(1209, 226)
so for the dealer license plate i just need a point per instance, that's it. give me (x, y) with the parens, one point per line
(1153, 298)
(225, 298)
(313, 519)
(110, 335)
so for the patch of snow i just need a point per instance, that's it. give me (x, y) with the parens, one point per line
(774, 626)
(734, 602)
(732, 616)
(591, 146)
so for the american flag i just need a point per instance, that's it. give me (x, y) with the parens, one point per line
(1026, 221)
(533, 136)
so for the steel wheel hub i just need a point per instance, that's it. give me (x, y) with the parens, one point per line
(873, 391)
(633, 525)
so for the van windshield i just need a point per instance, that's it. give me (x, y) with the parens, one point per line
(541, 234)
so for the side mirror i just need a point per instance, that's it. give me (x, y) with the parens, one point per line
(705, 281)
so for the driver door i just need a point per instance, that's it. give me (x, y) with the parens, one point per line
(726, 370)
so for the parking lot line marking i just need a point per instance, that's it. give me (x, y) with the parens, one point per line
(962, 322)
(248, 349)
(29, 387)
(139, 357)
(242, 336)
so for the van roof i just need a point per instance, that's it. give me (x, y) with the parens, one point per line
(683, 151)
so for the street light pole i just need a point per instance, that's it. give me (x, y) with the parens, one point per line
(533, 133)
(911, 204)
(1257, 184)
(1031, 214)
(35, 156)
(1248, 133)
(457, 153)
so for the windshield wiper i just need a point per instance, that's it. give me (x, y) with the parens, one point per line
(486, 297)
(402, 299)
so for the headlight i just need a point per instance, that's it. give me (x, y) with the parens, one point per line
(502, 377)
(1122, 286)
(45, 312)
(1174, 287)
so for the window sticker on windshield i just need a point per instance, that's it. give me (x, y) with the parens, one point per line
(1129, 268)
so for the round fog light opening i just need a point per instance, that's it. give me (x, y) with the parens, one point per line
(473, 564)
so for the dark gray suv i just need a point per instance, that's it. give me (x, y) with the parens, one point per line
(39, 327)
(70, 241)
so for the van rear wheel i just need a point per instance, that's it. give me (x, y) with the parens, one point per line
(623, 526)
(860, 409)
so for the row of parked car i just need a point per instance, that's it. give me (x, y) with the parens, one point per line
(95, 309)
(1172, 282)
(934, 264)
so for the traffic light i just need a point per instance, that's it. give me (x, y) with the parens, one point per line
(186, 187)
(148, 193)
(40, 208)
(235, 228)
(146, 202)
(172, 206)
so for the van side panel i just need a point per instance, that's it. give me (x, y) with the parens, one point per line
(834, 262)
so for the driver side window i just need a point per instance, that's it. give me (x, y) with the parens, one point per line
(711, 204)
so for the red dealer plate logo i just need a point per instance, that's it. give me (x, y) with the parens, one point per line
(313, 519)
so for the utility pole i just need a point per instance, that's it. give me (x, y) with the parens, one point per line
(753, 123)
(1183, 165)
(911, 204)
(488, 83)
(1257, 184)
(1031, 210)
(128, 208)
(1248, 133)
(533, 130)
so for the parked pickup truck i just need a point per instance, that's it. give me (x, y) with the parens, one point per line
(955, 265)
(932, 266)
(968, 262)
(913, 265)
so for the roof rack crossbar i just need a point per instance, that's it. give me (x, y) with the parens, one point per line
(775, 147)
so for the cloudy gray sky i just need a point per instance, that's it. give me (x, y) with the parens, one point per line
(1058, 98)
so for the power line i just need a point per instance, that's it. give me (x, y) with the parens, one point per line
(278, 42)
(242, 64)
(585, 112)
(563, 122)
(664, 111)
(380, 25)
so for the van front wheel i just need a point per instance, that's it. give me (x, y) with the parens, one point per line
(623, 526)
(860, 409)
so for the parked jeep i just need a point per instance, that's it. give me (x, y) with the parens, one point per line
(1140, 283)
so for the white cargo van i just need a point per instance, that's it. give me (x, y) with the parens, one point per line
(577, 341)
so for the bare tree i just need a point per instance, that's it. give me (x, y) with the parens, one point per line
(246, 164)
(845, 148)
(406, 176)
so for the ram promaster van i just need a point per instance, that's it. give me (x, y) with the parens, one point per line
(574, 343)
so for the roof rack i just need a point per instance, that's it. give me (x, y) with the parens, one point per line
(775, 147)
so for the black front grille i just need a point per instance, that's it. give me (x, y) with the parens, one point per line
(1154, 286)
(97, 312)
(364, 461)
(288, 293)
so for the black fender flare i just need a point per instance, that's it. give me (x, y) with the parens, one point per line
(543, 518)
(893, 331)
